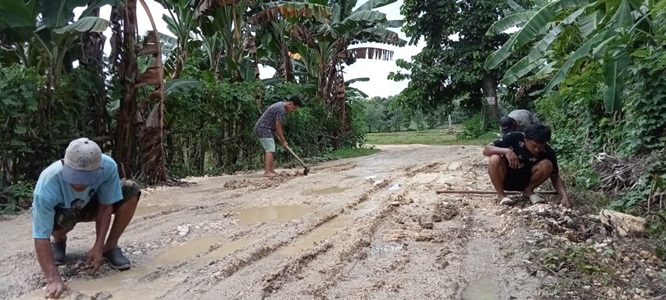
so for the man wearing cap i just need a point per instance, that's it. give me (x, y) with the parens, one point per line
(84, 186)
(517, 120)
(271, 122)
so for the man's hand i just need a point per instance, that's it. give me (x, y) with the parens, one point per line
(513, 159)
(55, 289)
(95, 258)
(566, 202)
(284, 144)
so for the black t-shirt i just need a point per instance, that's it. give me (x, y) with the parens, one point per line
(516, 142)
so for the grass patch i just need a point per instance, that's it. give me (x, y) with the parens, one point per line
(425, 137)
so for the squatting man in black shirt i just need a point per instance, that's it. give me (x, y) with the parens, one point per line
(521, 161)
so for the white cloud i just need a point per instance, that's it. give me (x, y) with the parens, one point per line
(376, 70)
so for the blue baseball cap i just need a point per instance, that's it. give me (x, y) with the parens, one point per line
(82, 163)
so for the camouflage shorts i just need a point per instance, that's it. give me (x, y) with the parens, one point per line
(67, 218)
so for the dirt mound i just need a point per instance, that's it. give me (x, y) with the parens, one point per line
(429, 168)
(237, 184)
(444, 211)
(586, 257)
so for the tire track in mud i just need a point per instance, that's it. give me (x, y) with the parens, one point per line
(464, 240)
(330, 266)
(363, 259)
(146, 222)
(292, 268)
(232, 264)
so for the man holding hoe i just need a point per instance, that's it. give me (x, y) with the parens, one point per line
(84, 186)
(521, 161)
(271, 122)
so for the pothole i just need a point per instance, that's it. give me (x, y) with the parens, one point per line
(231, 247)
(280, 214)
(317, 235)
(326, 191)
(122, 285)
(482, 289)
(188, 249)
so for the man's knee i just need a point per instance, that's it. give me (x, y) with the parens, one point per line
(495, 160)
(543, 166)
(131, 190)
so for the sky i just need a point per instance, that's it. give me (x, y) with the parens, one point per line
(376, 70)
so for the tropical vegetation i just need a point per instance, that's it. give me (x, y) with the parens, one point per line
(171, 104)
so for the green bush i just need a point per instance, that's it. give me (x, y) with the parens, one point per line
(473, 128)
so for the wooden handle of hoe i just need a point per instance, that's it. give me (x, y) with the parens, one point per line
(296, 156)
(482, 192)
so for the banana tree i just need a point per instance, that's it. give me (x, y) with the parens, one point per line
(275, 22)
(43, 33)
(605, 27)
(181, 22)
(334, 36)
(230, 24)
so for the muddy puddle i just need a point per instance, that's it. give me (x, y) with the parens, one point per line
(121, 285)
(325, 191)
(272, 214)
(231, 247)
(189, 249)
(201, 246)
(317, 235)
(482, 289)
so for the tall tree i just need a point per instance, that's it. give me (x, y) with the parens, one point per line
(452, 63)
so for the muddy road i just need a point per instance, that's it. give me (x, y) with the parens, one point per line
(363, 228)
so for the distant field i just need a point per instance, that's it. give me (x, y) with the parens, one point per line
(426, 137)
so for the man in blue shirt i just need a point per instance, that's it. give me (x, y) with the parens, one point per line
(84, 186)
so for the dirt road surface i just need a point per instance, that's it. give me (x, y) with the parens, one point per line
(363, 228)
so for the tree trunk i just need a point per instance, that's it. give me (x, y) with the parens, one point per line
(490, 95)
(127, 67)
(153, 160)
(93, 52)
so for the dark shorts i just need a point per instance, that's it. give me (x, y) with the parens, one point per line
(516, 180)
(67, 218)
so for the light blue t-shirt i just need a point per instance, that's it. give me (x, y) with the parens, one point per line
(52, 191)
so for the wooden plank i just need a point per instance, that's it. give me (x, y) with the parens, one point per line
(482, 192)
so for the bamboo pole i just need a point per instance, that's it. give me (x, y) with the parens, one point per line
(482, 192)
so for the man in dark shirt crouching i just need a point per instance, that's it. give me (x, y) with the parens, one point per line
(521, 161)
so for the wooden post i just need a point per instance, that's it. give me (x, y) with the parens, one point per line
(450, 124)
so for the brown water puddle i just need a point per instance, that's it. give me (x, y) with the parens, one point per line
(319, 234)
(279, 214)
(203, 245)
(325, 191)
(121, 285)
(229, 248)
(482, 289)
(188, 249)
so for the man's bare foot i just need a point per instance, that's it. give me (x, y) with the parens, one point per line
(270, 174)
